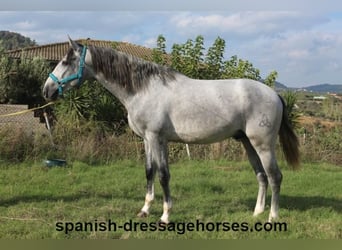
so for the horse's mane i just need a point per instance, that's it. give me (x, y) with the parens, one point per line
(130, 72)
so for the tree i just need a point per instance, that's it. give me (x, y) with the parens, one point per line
(12, 40)
(271, 79)
(158, 54)
(238, 68)
(214, 59)
(20, 80)
(5, 69)
(188, 59)
(191, 59)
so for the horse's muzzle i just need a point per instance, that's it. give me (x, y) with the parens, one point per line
(50, 97)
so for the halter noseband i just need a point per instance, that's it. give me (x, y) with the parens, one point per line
(78, 75)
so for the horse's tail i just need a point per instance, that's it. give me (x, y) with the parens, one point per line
(288, 139)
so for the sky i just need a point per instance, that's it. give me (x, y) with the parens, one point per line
(302, 42)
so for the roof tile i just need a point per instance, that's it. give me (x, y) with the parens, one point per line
(55, 51)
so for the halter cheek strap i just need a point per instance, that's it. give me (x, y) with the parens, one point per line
(78, 76)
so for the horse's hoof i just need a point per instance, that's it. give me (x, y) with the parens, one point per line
(161, 223)
(142, 214)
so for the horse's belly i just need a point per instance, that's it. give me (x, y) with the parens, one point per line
(195, 124)
(203, 133)
(199, 138)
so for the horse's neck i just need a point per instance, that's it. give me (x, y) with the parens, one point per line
(126, 94)
(111, 85)
(114, 88)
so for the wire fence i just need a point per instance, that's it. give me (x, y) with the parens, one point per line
(31, 121)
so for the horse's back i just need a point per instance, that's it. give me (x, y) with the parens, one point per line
(229, 96)
(204, 111)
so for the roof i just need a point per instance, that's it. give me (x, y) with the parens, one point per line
(54, 52)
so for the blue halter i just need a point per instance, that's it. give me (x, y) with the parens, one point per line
(78, 75)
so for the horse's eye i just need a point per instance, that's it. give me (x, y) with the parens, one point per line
(65, 62)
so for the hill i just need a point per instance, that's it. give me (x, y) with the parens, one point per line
(324, 88)
(280, 87)
(11, 40)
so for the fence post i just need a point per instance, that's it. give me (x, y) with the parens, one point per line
(188, 151)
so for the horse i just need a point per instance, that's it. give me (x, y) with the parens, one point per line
(164, 105)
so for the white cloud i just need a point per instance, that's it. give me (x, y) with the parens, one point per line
(304, 47)
(306, 58)
(24, 25)
(298, 53)
(246, 24)
(54, 26)
(131, 38)
(150, 42)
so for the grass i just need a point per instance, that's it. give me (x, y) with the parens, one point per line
(34, 198)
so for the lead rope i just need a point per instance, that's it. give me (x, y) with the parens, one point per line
(27, 111)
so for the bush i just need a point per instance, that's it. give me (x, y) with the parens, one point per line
(92, 102)
(20, 81)
(14, 144)
(92, 144)
(321, 144)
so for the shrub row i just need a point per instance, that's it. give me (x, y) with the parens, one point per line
(92, 143)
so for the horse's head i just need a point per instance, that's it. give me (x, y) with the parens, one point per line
(69, 72)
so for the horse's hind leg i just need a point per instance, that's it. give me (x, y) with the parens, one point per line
(260, 175)
(266, 153)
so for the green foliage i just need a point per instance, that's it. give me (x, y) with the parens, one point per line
(271, 79)
(12, 40)
(115, 44)
(74, 107)
(321, 143)
(214, 59)
(20, 81)
(15, 144)
(191, 59)
(188, 58)
(238, 68)
(92, 102)
(161, 44)
(332, 108)
(158, 54)
(290, 98)
(5, 71)
(332, 141)
(329, 108)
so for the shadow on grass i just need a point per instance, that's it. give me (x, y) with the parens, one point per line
(65, 198)
(300, 203)
(303, 203)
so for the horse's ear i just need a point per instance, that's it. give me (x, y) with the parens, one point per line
(73, 44)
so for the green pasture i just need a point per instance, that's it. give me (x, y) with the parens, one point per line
(34, 198)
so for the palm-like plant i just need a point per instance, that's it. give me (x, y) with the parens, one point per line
(290, 98)
(92, 103)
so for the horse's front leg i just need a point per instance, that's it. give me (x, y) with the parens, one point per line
(150, 169)
(157, 158)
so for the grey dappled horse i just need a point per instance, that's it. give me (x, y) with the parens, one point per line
(164, 105)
